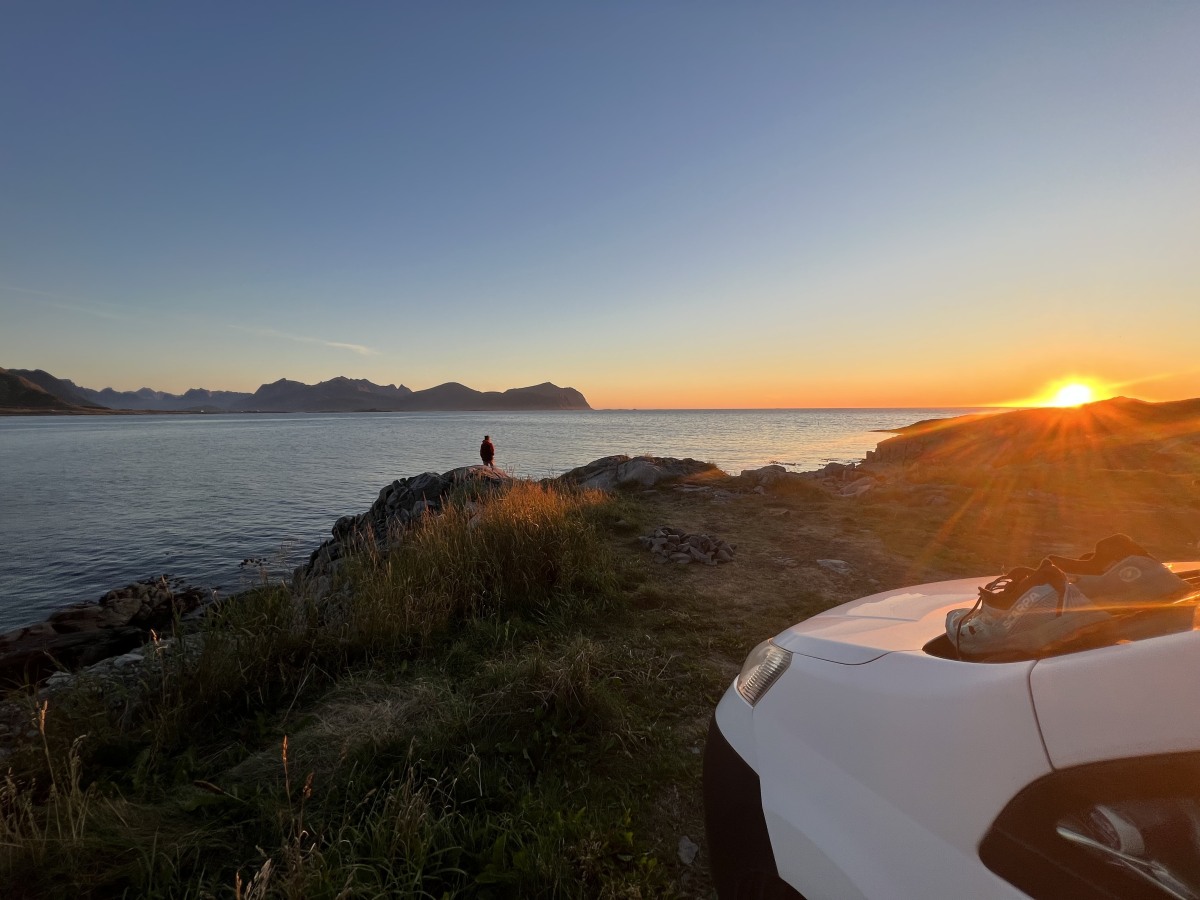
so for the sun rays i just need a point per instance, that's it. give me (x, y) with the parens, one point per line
(1067, 392)
(1073, 394)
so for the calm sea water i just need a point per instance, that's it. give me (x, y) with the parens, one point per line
(92, 503)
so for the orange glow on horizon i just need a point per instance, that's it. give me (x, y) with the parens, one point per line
(1074, 394)
(873, 391)
(1075, 391)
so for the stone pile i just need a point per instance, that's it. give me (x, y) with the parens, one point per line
(677, 546)
(84, 633)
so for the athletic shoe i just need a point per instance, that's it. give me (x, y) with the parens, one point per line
(1024, 614)
(1120, 573)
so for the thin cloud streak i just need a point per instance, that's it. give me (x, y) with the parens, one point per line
(360, 349)
(1149, 379)
(70, 304)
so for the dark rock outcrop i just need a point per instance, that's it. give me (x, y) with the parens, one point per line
(85, 633)
(406, 500)
(398, 506)
(611, 472)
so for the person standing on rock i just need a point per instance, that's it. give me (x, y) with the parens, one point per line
(487, 450)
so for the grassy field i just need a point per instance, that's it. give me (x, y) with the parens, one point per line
(494, 708)
(510, 703)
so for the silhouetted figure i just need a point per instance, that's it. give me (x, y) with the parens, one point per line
(487, 450)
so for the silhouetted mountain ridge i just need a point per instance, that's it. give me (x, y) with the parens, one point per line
(19, 392)
(66, 391)
(338, 394)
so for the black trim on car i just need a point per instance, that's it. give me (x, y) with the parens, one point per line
(739, 847)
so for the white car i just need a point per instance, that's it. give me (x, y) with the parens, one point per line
(855, 757)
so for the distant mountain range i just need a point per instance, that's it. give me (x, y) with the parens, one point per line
(36, 390)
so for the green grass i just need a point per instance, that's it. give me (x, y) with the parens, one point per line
(479, 712)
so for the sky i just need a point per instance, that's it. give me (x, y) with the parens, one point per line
(663, 205)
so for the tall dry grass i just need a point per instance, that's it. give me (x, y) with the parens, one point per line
(459, 788)
(524, 550)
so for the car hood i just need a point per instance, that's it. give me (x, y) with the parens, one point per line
(862, 630)
(902, 619)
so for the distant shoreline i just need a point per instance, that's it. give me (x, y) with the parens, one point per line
(82, 411)
(258, 412)
(959, 410)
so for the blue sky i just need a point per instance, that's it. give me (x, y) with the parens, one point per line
(660, 204)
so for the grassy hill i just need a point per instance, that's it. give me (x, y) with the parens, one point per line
(1116, 433)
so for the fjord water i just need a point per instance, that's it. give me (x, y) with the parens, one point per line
(92, 503)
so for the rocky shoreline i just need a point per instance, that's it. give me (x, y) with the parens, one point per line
(1156, 437)
(83, 634)
(122, 622)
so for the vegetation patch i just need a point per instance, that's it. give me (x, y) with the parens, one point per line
(470, 714)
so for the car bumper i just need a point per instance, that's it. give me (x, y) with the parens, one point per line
(739, 848)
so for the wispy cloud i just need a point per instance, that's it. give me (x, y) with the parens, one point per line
(360, 349)
(116, 314)
(71, 304)
(1150, 379)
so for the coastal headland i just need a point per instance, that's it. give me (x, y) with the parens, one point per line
(487, 685)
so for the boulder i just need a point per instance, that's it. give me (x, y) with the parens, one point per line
(398, 505)
(480, 476)
(840, 566)
(610, 472)
(80, 617)
(33, 659)
(641, 472)
(688, 850)
(85, 633)
(427, 486)
(766, 475)
(858, 488)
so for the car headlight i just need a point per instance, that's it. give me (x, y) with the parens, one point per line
(761, 669)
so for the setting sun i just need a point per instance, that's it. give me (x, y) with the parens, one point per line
(1067, 392)
(1074, 394)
